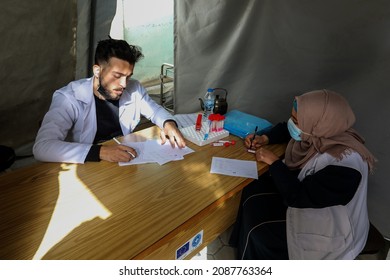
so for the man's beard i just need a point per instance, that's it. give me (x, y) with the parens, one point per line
(106, 94)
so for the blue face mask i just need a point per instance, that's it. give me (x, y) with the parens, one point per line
(295, 132)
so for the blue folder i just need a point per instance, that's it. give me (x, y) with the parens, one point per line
(242, 124)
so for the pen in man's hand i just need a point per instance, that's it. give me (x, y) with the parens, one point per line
(253, 138)
(117, 141)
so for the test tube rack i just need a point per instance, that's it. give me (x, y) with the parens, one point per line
(197, 136)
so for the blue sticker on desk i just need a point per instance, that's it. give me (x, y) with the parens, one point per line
(182, 251)
(189, 246)
(196, 241)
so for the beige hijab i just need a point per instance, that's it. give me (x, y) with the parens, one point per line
(327, 120)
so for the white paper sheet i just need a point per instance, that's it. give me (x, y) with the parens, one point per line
(142, 156)
(152, 151)
(234, 167)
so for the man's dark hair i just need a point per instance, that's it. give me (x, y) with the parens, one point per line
(117, 48)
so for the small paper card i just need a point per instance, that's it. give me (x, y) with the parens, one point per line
(234, 167)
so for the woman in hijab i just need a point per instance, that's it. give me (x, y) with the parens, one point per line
(313, 204)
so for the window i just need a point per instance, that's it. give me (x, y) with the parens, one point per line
(148, 24)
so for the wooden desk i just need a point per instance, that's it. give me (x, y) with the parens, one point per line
(105, 211)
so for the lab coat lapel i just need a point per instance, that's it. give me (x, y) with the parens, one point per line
(126, 112)
(84, 94)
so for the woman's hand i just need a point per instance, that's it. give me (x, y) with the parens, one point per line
(260, 140)
(265, 155)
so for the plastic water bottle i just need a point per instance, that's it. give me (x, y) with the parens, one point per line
(209, 100)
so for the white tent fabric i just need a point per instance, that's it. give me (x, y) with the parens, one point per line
(264, 52)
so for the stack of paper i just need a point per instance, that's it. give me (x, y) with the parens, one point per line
(152, 151)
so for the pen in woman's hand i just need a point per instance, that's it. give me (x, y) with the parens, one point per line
(253, 138)
(117, 141)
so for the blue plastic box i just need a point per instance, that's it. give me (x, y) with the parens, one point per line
(242, 124)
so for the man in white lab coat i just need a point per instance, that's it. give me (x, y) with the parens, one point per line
(89, 111)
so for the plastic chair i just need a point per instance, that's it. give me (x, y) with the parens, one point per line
(376, 247)
(7, 157)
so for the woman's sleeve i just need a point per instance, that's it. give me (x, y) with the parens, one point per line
(278, 134)
(332, 185)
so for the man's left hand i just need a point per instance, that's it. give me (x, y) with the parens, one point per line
(172, 133)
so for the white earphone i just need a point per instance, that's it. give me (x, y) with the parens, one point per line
(96, 71)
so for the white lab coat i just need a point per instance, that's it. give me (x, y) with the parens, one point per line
(69, 127)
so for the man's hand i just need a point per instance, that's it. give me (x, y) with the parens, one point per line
(117, 153)
(172, 133)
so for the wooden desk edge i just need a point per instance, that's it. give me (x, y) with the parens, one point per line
(149, 253)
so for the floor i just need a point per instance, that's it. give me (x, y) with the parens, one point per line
(220, 250)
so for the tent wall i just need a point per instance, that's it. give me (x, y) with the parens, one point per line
(264, 52)
(94, 23)
(38, 56)
(46, 44)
